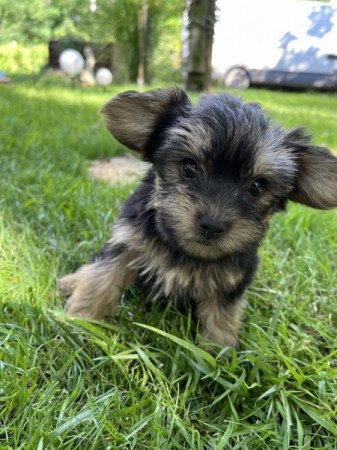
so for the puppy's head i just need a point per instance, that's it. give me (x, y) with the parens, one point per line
(222, 168)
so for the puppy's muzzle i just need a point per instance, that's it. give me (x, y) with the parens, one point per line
(212, 227)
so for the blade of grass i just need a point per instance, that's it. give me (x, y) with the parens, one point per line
(187, 345)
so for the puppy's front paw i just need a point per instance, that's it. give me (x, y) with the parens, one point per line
(81, 297)
(220, 322)
(222, 337)
(66, 284)
(77, 307)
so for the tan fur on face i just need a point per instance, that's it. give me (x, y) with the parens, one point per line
(195, 138)
(97, 287)
(183, 212)
(272, 158)
(220, 323)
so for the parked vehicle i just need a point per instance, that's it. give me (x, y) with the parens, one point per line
(276, 42)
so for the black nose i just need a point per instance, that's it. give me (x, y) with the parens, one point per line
(212, 227)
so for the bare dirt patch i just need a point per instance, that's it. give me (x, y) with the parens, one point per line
(120, 169)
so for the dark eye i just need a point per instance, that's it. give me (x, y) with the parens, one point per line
(257, 187)
(188, 169)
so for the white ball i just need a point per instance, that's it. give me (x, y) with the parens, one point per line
(71, 62)
(104, 77)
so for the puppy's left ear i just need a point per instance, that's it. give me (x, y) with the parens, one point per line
(316, 184)
(132, 117)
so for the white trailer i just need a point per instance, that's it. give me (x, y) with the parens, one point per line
(276, 42)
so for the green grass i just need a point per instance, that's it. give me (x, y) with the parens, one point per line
(71, 384)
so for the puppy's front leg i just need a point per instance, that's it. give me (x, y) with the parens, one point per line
(97, 287)
(220, 322)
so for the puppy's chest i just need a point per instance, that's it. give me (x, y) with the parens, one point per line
(163, 277)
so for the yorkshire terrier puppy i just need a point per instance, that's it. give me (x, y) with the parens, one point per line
(192, 229)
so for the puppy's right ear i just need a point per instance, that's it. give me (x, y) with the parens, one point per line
(132, 117)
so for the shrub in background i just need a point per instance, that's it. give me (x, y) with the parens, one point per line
(18, 58)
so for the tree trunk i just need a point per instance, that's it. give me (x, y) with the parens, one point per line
(142, 21)
(145, 44)
(201, 17)
(148, 47)
(2, 16)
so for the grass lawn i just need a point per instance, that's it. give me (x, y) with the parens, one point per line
(71, 384)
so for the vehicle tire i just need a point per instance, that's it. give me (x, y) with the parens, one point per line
(237, 78)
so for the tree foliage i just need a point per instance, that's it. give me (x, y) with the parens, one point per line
(119, 19)
(38, 21)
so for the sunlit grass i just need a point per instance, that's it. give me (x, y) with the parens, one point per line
(142, 380)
